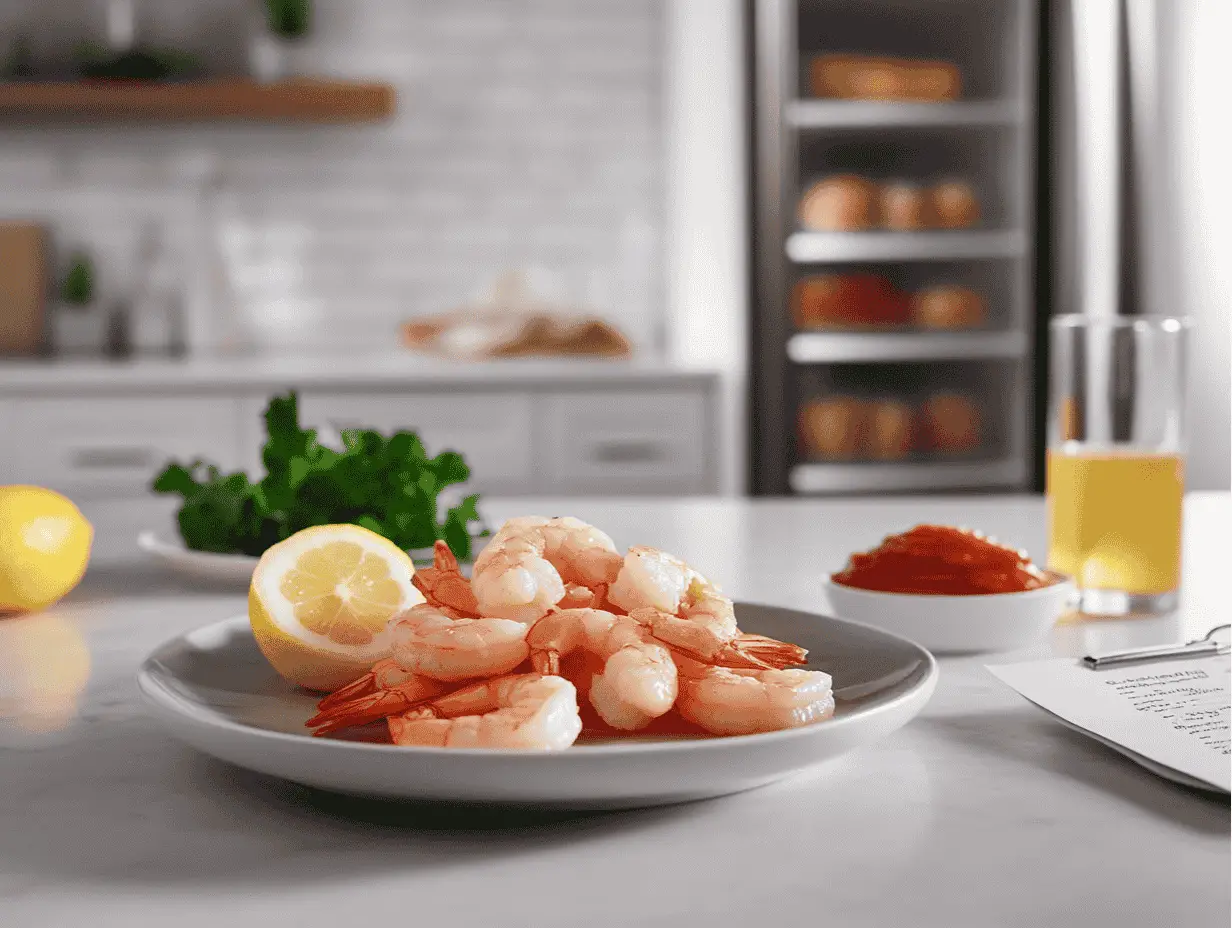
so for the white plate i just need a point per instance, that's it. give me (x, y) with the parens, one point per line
(233, 569)
(199, 565)
(214, 690)
(957, 624)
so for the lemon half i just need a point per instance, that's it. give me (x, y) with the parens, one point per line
(320, 603)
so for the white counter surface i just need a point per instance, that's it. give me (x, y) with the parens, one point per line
(982, 812)
(381, 371)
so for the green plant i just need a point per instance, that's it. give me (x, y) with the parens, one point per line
(385, 483)
(289, 19)
(78, 286)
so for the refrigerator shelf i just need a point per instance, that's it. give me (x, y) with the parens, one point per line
(841, 247)
(860, 114)
(857, 347)
(907, 476)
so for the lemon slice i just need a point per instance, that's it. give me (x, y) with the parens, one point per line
(321, 600)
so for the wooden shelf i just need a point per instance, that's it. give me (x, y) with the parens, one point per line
(294, 101)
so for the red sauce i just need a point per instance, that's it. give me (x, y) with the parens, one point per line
(937, 559)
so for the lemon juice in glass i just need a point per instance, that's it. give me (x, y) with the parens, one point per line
(1116, 465)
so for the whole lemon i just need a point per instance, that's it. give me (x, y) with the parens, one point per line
(44, 547)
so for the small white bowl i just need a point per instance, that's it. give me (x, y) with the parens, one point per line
(957, 624)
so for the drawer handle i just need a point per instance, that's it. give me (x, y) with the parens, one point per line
(112, 458)
(629, 452)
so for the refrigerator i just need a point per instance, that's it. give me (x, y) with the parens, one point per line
(1092, 133)
(1135, 155)
(895, 305)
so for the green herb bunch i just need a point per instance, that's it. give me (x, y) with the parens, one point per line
(386, 484)
(290, 19)
(78, 286)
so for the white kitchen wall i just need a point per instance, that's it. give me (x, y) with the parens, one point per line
(529, 135)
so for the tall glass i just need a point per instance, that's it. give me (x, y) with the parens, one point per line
(1116, 459)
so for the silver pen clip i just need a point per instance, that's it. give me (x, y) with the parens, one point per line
(1207, 645)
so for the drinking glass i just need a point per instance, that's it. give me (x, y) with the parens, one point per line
(1116, 459)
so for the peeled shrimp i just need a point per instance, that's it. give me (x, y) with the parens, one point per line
(650, 578)
(431, 643)
(430, 648)
(685, 610)
(638, 680)
(527, 566)
(734, 701)
(524, 711)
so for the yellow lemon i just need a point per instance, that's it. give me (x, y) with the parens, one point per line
(44, 547)
(321, 600)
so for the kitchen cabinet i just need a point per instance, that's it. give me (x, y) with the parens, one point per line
(112, 446)
(629, 441)
(493, 431)
(99, 433)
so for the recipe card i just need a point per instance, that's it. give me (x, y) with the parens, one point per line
(1172, 713)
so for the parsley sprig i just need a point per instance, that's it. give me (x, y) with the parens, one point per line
(385, 483)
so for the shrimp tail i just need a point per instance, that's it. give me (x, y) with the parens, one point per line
(546, 662)
(767, 653)
(362, 687)
(748, 652)
(371, 707)
(444, 586)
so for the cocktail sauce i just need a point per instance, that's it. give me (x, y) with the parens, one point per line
(940, 560)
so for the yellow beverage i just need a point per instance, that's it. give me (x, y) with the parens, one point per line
(1116, 519)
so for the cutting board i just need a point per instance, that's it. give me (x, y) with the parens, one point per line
(23, 287)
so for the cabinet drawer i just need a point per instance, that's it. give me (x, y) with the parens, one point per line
(629, 442)
(491, 430)
(115, 445)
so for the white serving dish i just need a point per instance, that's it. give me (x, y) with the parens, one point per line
(957, 624)
(213, 689)
(198, 565)
(232, 569)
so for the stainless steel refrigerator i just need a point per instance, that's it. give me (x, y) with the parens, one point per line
(1093, 133)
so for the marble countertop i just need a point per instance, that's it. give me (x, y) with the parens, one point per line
(381, 370)
(981, 812)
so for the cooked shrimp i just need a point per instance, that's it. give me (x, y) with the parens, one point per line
(444, 585)
(638, 681)
(732, 701)
(582, 554)
(386, 689)
(523, 711)
(431, 643)
(524, 570)
(687, 611)
(429, 648)
(516, 582)
(650, 578)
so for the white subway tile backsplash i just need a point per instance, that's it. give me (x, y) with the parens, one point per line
(528, 134)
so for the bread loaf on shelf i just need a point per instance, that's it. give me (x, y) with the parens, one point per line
(950, 423)
(905, 207)
(841, 203)
(948, 307)
(833, 428)
(877, 77)
(848, 301)
(955, 205)
(889, 430)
